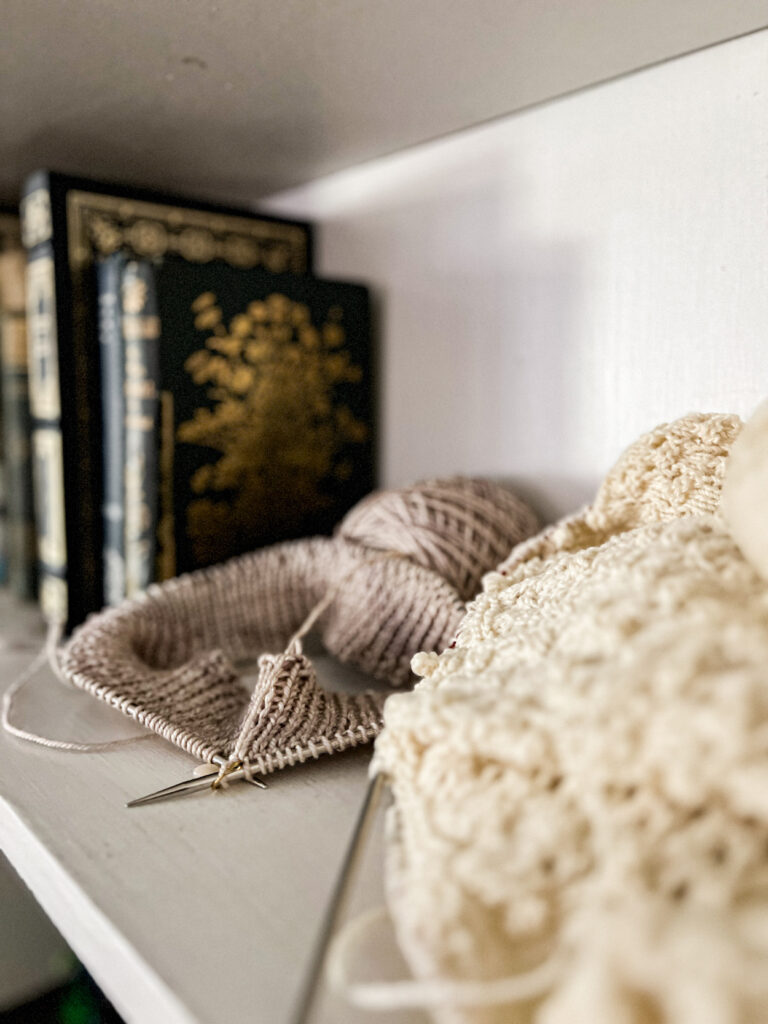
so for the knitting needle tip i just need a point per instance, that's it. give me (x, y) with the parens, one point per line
(191, 786)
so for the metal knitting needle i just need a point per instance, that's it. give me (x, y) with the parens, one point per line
(358, 845)
(196, 783)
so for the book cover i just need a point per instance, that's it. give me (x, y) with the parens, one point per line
(67, 224)
(112, 356)
(266, 409)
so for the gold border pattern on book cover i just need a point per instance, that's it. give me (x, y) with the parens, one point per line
(103, 224)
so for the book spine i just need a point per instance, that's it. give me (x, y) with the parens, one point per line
(45, 402)
(4, 525)
(141, 334)
(109, 275)
(20, 533)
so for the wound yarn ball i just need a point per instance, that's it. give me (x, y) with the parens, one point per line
(456, 527)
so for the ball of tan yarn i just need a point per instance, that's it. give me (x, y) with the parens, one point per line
(454, 527)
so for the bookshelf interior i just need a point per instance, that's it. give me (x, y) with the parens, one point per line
(551, 279)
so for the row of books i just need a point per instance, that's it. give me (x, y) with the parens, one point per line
(194, 390)
(18, 560)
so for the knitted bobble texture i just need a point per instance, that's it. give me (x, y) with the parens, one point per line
(745, 490)
(583, 778)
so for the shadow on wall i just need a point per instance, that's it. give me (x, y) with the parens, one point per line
(478, 332)
(551, 498)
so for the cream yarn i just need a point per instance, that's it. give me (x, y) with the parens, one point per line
(583, 778)
(745, 490)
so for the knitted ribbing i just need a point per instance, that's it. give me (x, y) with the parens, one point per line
(584, 776)
(167, 658)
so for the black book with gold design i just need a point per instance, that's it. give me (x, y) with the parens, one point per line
(266, 409)
(67, 224)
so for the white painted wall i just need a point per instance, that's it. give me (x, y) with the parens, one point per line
(556, 282)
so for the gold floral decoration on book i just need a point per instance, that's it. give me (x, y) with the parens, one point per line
(271, 375)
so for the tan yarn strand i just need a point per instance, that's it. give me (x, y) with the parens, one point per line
(48, 654)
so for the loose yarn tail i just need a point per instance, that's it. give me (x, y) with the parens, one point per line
(49, 654)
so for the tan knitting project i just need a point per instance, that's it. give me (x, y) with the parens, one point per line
(583, 779)
(391, 582)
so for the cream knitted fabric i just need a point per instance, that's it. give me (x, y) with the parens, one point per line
(584, 775)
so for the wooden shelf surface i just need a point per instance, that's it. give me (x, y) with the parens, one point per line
(202, 909)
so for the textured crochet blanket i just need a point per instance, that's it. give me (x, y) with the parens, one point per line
(581, 780)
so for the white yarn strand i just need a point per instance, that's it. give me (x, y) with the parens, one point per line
(427, 993)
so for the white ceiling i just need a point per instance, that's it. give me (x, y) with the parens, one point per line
(238, 98)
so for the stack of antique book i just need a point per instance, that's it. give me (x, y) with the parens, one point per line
(178, 387)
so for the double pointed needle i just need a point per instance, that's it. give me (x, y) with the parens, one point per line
(197, 783)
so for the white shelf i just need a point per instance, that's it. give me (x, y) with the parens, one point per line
(237, 99)
(202, 909)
